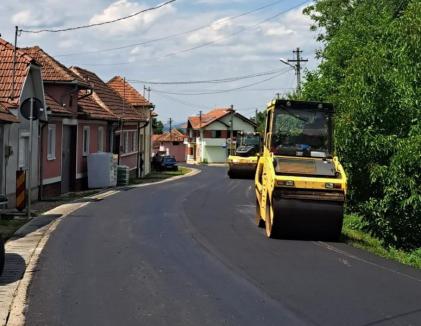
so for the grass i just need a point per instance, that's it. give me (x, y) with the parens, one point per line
(156, 176)
(356, 237)
(9, 226)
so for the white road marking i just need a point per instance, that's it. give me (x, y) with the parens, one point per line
(339, 251)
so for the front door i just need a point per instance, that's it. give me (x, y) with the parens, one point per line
(68, 164)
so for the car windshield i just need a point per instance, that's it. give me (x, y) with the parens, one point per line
(249, 140)
(298, 132)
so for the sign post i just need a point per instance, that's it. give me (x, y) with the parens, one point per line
(31, 118)
(30, 109)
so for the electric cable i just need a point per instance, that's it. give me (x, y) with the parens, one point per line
(172, 35)
(97, 24)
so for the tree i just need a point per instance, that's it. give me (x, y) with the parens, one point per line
(157, 126)
(370, 65)
(260, 120)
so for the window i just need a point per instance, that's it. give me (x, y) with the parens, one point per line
(134, 141)
(216, 133)
(23, 151)
(51, 142)
(100, 139)
(85, 140)
(130, 141)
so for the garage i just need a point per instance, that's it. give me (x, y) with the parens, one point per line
(215, 154)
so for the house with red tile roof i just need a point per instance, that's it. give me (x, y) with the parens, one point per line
(209, 134)
(145, 108)
(125, 132)
(77, 126)
(20, 79)
(170, 143)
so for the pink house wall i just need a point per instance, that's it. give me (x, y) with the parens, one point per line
(178, 151)
(52, 167)
(93, 142)
(129, 159)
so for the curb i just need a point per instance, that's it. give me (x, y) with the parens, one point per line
(27, 244)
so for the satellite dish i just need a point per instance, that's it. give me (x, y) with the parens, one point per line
(25, 108)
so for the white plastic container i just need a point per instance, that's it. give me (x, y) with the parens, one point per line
(102, 170)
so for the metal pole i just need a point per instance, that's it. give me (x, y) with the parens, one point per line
(298, 69)
(31, 113)
(12, 94)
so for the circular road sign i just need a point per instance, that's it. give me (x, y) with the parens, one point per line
(25, 108)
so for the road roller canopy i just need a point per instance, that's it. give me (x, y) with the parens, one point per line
(248, 139)
(301, 129)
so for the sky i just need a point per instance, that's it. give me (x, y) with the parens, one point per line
(227, 39)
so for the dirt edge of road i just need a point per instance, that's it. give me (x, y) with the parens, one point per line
(18, 301)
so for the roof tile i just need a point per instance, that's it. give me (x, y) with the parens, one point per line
(126, 90)
(109, 99)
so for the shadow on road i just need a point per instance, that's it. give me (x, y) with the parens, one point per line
(35, 224)
(14, 267)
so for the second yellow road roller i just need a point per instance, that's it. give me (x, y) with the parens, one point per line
(244, 161)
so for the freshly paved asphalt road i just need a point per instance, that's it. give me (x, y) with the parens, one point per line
(188, 253)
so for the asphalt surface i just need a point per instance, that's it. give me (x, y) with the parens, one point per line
(189, 253)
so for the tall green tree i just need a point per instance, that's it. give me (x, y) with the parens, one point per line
(370, 68)
(157, 126)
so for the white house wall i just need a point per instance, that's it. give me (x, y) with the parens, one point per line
(12, 132)
(238, 124)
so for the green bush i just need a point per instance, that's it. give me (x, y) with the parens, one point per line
(371, 60)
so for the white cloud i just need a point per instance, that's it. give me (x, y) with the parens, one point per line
(233, 54)
(122, 8)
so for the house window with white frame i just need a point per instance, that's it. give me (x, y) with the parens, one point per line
(130, 142)
(51, 142)
(134, 141)
(23, 156)
(85, 140)
(101, 142)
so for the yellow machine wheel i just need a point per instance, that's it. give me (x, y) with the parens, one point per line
(260, 223)
(270, 222)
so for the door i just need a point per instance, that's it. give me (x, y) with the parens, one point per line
(68, 163)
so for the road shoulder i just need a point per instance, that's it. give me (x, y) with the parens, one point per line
(24, 248)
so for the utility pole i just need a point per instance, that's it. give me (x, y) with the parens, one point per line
(12, 93)
(298, 60)
(147, 89)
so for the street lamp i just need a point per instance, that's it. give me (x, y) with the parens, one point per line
(287, 63)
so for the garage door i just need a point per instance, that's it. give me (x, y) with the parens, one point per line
(216, 154)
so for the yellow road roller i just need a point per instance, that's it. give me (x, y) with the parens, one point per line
(300, 184)
(244, 161)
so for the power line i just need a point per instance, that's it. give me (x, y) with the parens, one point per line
(185, 103)
(234, 33)
(225, 90)
(98, 24)
(214, 41)
(172, 35)
(211, 81)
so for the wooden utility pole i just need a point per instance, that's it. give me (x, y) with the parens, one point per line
(298, 60)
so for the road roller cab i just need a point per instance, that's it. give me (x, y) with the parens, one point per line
(300, 184)
(242, 164)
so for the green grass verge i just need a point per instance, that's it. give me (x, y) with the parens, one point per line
(9, 226)
(358, 238)
(156, 176)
